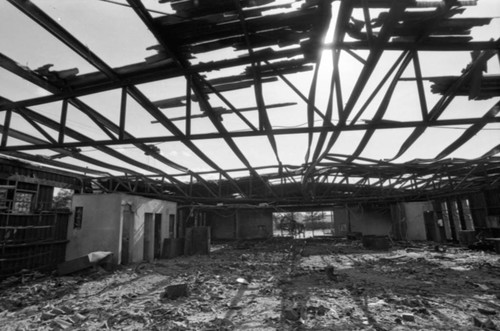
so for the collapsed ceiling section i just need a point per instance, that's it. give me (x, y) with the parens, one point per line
(259, 101)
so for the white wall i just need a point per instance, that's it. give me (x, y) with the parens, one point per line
(140, 206)
(101, 226)
(107, 218)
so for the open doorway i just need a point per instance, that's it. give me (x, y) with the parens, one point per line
(303, 224)
(152, 236)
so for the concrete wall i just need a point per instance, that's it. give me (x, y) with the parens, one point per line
(223, 225)
(370, 221)
(415, 223)
(139, 206)
(101, 226)
(254, 224)
(112, 222)
(241, 224)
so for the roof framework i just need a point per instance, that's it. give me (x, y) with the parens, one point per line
(239, 70)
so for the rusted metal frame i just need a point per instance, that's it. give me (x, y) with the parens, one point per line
(219, 186)
(128, 183)
(38, 128)
(264, 123)
(33, 140)
(188, 106)
(334, 86)
(469, 133)
(444, 101)
(6, 127)
(149, 184)
(397, 181)
(62, 121)
(343, 17)
(450, 94)
(123, 114)
(142, 100)
(25, 73)
(297, 91)
(382, 108)
(368, 25)
(229, 104)
(106, 123)
(204, 104)
(59, 32)
(310, 107)
(78, 136)
(276, 105)
(397, 8)
(420, 46)
(464, 178)
(289, 175)
(240, 134)
(191, 185)
(432, 179)
(31, 76)
(379, 87)
(140, 76)
(51, 162)
(40, 17)
(353, 54)
(420, 86)
(141, 11)
(204, 183)
(96, 182)
(100, 120)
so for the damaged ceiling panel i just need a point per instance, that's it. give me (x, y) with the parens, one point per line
(260, 101)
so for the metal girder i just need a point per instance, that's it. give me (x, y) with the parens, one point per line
(240, 134)
(396, 29)
(445, 100)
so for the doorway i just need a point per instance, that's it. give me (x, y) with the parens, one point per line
(152, 236)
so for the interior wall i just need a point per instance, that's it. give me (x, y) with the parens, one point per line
(112, 220)
(101, 226)
(369, 220)
(254, 224)
(415, 223)
(222, 224)
(341, 221)
(139, 206)
(241, 224)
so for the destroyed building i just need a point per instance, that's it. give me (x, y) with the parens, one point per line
(322, 164)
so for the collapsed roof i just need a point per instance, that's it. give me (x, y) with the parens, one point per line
(257, 101)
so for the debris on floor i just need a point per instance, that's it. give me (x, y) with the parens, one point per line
(269, 285)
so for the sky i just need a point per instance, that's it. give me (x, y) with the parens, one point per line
(118, 37)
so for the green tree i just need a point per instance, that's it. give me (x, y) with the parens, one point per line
(62, 199)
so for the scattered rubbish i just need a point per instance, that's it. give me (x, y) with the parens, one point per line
(329, 270)
(376, 242)
(291, 314)
(173, 292)
(487, 324)
(84, 262)
(392, 289)
(486, 311)
(440, 249)
(243, 281)
(408, 317)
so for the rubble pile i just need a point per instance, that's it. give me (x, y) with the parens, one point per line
(269, 285)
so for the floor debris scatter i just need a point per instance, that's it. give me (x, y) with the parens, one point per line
(277, 284)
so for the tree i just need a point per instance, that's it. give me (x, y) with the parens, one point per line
(62, 199)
